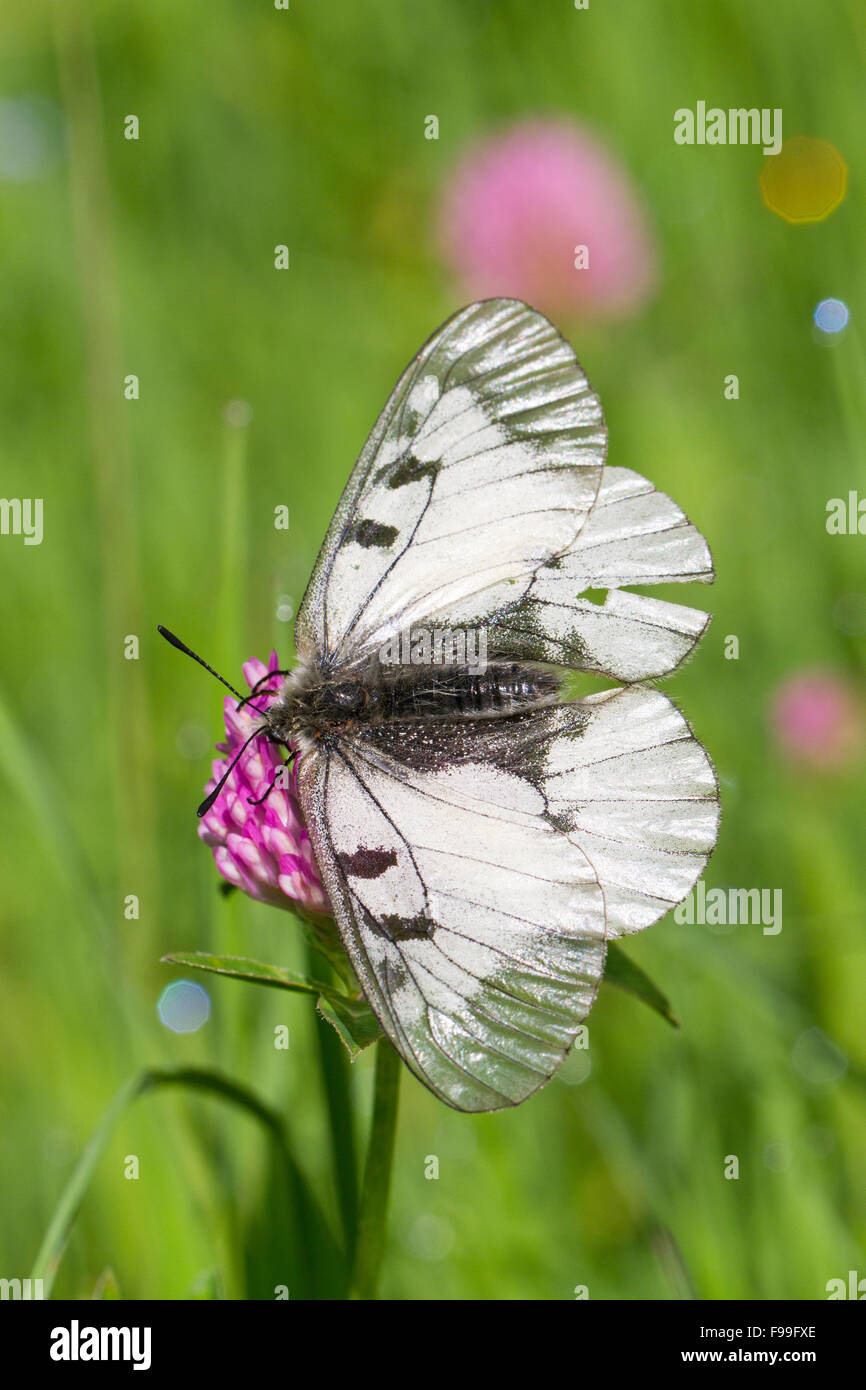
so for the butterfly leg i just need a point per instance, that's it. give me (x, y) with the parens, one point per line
(255, 690)
(257, 801)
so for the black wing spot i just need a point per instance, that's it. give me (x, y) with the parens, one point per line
(373, 533)
(396, 928)
(407, 470)
(368, 863)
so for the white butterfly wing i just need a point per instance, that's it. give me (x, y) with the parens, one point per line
(482, 467)
(475, 927)
(476, 874)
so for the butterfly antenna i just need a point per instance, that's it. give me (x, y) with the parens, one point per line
(212, 796)
(182, 647)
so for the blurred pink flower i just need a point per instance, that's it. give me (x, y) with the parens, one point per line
(520, 203)
(817, 720)
(265, 850)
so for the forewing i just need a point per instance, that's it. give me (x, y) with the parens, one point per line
(481, 468)
(475, 925)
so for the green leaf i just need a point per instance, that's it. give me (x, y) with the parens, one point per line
(239, 968)
(623, 973)
(355, 1023)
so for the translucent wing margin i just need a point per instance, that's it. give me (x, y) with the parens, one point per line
(481, 468)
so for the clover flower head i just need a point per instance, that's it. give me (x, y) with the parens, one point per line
(818, 720)
(520, 205)
(263, 849)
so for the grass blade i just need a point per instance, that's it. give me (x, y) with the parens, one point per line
(622, 972)
(213, 1083)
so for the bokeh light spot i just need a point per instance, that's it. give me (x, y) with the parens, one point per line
(431, 1238)
(30, 137)
(238, 414)
(184, 1007)
(777, 1157)
(193, 741)
(849, 614)
(820, 1141)
(805, 181)
(576, 1068)
(831, 315)
(817, 1058)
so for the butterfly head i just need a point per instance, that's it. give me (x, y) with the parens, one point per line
(314, 704)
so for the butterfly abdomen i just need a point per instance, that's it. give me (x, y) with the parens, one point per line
(447, 692)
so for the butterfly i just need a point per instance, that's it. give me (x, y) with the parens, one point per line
(480, 833)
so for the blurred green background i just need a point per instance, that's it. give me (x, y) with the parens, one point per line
(155, 257)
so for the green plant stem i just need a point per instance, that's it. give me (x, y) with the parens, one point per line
(377, 1174)
(334, 1067)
